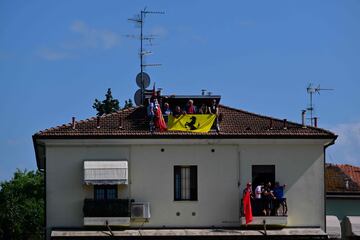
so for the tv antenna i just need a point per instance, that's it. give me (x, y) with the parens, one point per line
(143, 79)
(311, 90)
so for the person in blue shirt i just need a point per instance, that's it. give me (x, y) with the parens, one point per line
(280, 200)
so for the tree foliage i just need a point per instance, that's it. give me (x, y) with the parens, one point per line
(108, 105)
(22, 206)
(128, 104)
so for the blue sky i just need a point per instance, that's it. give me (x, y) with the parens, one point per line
(56, 57)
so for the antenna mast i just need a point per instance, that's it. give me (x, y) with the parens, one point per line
(311, 90)
(140, 20)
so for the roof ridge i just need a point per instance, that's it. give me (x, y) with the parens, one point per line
(88, 119)
(274, 118)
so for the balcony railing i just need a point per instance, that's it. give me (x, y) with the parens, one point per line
(106, 208)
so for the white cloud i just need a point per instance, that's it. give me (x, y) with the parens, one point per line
(85, 37)
(53, 55)
(159, 31)
(94, 38)
(347, 145)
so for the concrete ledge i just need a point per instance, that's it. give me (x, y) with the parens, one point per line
(333, 228)
(101, 221)
(270, 220)
(218, 233)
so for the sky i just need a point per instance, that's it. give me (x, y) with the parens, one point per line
(56, 57)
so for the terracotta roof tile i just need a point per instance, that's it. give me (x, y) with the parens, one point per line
(336, 177)
(133, 123)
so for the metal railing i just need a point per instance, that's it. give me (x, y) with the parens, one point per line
(106, 208)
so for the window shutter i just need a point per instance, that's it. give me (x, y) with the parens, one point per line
(177, 182)
(193, 183)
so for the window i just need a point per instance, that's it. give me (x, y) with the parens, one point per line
(263, 174)
(105, 192)
(185, 183)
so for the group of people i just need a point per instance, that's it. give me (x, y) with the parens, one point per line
(267, 200)
(159, 115)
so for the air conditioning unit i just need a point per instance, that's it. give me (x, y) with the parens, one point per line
(140, 210)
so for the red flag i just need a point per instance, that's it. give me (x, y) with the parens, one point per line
(247, 207)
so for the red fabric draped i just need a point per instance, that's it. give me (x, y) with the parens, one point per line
(159, 120)
(247, 207)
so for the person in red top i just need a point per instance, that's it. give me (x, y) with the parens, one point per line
(247, 195)
(190, 107)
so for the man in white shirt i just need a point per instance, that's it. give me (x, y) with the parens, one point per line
(259, 206)
(258, 191)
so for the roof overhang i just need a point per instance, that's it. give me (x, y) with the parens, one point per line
(40, 142)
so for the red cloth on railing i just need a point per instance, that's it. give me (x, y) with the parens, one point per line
(247, 207)
(159, 120)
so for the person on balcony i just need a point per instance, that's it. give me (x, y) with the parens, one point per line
(166, 111)
(214, 109)
(268, 199)
(204, 109)
(280, 200)
(177, 112)
(259, 203)
(247, 197)
(190, 107)
(151, 114)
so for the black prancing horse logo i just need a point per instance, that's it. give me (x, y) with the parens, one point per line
(191, 124)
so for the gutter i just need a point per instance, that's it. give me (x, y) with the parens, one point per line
(37, 154)
(325, 196)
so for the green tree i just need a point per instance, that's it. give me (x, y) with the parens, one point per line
(128, 104)
(108, 105)
(22, 206)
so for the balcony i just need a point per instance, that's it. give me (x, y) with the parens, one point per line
(106, 212)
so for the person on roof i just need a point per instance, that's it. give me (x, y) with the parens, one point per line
(214, 109)
(204, 109)
(166, 111)
(151, 114)
(190, 107)
(177, 112)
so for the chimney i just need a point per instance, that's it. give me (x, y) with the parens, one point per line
(98, 122)
(285, 123)
(120, 123)
(315, 121)
(73, 123)
(271, 123)
(303, 114)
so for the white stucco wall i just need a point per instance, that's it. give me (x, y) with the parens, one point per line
(301, 168)
(299, 165)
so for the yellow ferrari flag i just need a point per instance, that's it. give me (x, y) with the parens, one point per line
(191, 122)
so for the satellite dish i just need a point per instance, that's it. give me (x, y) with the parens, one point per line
(137, 97)
(145, 78)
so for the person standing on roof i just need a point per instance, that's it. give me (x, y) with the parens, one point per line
(190, 107)
(214, 109)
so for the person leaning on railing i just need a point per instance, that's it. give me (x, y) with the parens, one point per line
(203, 109)
(214, 109)
(190, 108)
(280, 200)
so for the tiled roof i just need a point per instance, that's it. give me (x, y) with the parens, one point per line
(132, 123)
(336, 177)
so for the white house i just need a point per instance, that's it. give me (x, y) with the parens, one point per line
(111, 171)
